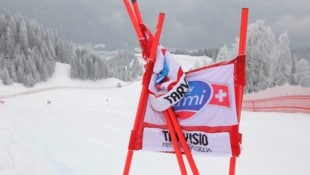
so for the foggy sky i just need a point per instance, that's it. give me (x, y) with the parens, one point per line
(188, 24)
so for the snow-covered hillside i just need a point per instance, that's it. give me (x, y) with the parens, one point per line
(70, 127)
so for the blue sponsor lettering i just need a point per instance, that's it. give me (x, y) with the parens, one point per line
(199, 94)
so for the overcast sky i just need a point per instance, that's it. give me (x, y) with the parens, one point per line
(189, 23)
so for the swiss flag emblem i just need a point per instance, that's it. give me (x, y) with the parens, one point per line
(220, 95)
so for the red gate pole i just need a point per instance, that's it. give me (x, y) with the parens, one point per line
(184, 144)
(133, 19)
(143, 94)
(175, 143)
(239, 89)
(169, 124)
(137, 11)
(172, 123)
(243, 31)
(146, 79)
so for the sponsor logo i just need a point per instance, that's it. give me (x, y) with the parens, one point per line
(196, 98)
(199, 95)
(179, 92)
(195, 138)
(197, 141)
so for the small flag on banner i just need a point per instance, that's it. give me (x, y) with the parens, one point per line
(168, 84)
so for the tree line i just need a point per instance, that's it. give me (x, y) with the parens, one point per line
(270, 62)
(29, 52)
(209, 52)
(119, 64)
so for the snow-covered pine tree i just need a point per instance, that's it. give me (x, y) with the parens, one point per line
(260, 46)
(303, 72)
(280, 62)
(6, 79)
(22, 40)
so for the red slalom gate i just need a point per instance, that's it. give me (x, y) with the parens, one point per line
(149, 48)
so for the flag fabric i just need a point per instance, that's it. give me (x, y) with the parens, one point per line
(168, 84)
(207, 111)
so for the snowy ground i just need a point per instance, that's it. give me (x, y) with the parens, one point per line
(66, 127)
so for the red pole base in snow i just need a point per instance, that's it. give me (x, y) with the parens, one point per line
(232, 165)
(128, 162)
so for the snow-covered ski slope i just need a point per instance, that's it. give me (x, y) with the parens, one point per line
(70, 127)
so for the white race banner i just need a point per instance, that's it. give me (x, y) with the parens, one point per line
(210, 100)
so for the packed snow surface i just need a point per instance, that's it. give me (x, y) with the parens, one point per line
(70, 127)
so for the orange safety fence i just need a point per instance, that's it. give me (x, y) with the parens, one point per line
(294, 103)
